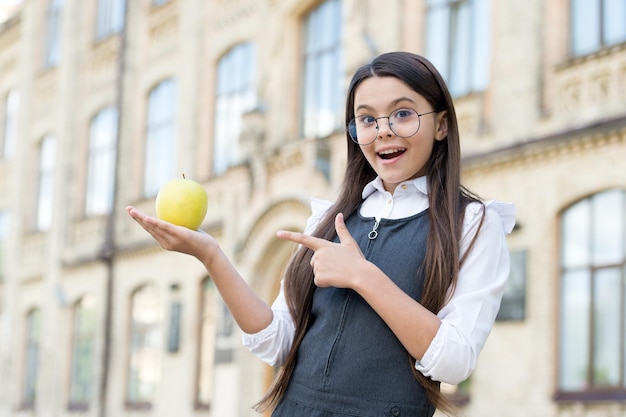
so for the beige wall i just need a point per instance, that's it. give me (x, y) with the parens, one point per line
(538, 137)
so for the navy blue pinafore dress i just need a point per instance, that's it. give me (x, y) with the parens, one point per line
(350, 364)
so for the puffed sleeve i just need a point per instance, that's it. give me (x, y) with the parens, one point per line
(467, 319)
(273, 343)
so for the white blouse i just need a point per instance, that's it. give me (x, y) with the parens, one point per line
(467, 318)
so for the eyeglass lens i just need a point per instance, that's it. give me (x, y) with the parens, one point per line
(404, 123)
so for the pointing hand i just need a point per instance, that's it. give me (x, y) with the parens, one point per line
(334, 264)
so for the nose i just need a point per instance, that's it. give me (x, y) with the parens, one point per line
(384, 129)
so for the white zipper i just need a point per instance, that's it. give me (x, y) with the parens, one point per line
(373, 234)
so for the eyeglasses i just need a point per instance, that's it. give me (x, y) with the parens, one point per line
(403, 123)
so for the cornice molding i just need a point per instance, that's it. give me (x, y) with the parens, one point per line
(579, 140)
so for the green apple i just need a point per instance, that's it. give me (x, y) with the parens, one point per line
(182, 202)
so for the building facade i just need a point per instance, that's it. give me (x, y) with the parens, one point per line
(102, 101)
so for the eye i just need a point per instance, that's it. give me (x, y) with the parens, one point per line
(366, 120)
(404, 114)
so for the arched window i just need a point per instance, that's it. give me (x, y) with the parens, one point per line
(160, 155)
(101, 160)
(322, 106)
(45, 182)
(235, 96)
(217, 342)
(146, 346)
(31, 358)
(592, 352)
(206, 349)
(82, 360)
(4, 237)
(52, 51)
(9, 139)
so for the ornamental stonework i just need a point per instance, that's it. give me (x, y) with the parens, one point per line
(588, 89)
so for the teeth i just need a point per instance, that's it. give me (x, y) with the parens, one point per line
(390, 151)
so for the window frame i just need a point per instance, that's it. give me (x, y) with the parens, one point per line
(155, 329)
(32, 357)
(207, 342)
(161, 136)
(319, 94)
(45, 183)
(9, 131)
(513, 305)
(600, 11)
(52, 41)
(591, 392)
(101, 154)
(110, 16)
(83, 339)
(235, 95)
(5, 232)
(442, 46)
(5, 226)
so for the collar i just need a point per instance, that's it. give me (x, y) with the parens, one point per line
(418, 184)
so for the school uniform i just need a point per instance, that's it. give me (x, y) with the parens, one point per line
(350, 363)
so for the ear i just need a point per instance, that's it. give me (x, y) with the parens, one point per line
(441, 127)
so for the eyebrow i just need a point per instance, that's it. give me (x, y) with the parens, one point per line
(392, 104)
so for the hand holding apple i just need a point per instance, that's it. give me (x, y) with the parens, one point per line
(182, 202)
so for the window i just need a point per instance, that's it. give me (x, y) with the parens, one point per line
(235, 96)
(53, 32)
(161, 137)
(82, 353)
(10, 124)
(159, 2)
(31, 359)
(4, 236)
(596, 24)
(208, 326)
(110, 17)
(226, 337)
(45, 191)
(144, 371)
(458, 42)
(513, 306)
(322, 107)
(4, 225)
(592, 307)
(101, 160)
(218, 341)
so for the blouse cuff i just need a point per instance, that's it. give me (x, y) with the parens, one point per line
(450, 362)
(427, 362)
(271, 344)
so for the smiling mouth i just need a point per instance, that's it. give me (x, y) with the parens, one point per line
(391, 153)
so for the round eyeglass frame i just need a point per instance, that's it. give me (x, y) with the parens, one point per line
(351, 127)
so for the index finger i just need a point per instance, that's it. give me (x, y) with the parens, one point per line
(305, 240)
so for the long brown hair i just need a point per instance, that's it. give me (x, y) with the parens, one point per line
(447, 200)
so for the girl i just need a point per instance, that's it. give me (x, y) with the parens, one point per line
(395, 286)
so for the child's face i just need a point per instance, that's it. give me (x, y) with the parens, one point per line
(396, 159)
